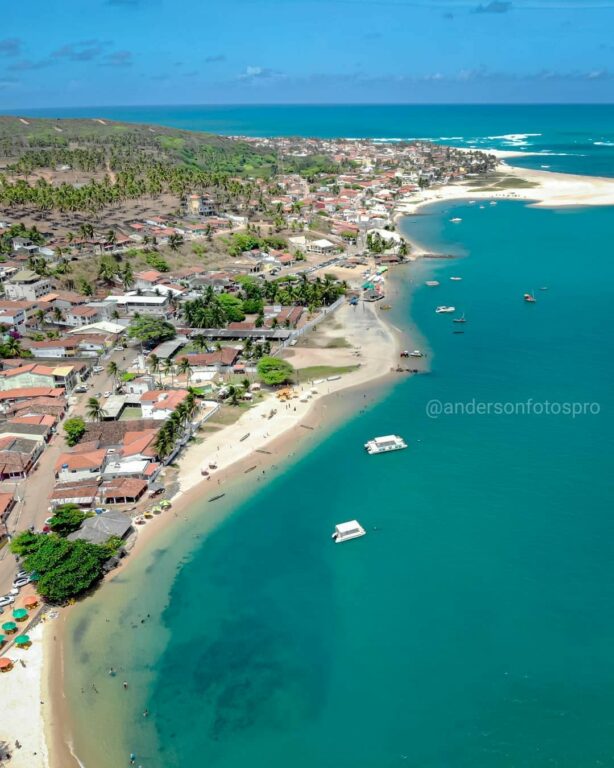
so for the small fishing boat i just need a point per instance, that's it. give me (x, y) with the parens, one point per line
(444, 310)
(456, 220)
(543, 288)
(460, 319)
(493, 202)
(457, 332)
(456, 279)
(416, 353)
(529, 298)
(432, 283)
(385, 307)
(215, 498)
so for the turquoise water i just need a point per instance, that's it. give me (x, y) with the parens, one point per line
(568, 138)
(473, 625)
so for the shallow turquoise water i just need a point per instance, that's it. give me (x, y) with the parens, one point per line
(474, 627)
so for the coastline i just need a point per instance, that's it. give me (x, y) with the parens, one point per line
(270, 442)
(285, 432)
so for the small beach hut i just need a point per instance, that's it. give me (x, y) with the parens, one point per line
(5, 664)
(9, 627)
(31, 602)
(22, 641)
(20, 614)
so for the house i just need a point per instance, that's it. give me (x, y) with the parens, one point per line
(14, 317)
(100, 528)
(322, 246)
(80, 464)
(37, 406)
(159, 404)
(131, 303)
(199, 205)
(219, 360)
(77, 317)
(83, 493)
(125, 490)
(27, 285)
(148, 279)
(18, 456)
(54, 348)
(35, 375)
(27, 430)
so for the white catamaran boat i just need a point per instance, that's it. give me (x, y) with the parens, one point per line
(385, 444)
(346, 531)
(444, 309)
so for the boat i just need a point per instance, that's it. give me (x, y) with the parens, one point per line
(493, 202)
(458, 332)
(543, 288)
(385, 307)
(432, 283)
(460, 319)
(219, 496)
(456, 279)
(456, 220)
(385, 444)
(416, 353)
(443, 309)
(346, 531)
(529, 298)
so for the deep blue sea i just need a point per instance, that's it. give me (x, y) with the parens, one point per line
(473, 625)
(568, 138)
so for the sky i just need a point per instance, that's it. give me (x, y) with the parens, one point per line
(76, 53)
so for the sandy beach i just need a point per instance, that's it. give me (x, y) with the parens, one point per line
(549, 190)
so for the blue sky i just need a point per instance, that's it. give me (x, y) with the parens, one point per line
(135, 52)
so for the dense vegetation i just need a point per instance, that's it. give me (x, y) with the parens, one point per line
(131, 161)
(213, 310)
(66, 568)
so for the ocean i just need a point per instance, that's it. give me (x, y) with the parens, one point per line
(472, 626)
(566, 138)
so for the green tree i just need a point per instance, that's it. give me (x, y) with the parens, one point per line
(67, 518)
(151, 330)
(74, 428)
(273, 371)
(94, 409)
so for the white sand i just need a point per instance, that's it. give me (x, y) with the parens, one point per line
(20, 704)
(552, 190)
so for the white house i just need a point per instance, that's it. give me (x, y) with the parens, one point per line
(27, 285)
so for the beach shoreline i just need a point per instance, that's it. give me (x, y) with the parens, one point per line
(270, 442)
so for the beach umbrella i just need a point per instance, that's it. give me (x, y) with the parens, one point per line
(31, 601)
(20, 614)
(5, 664)
(165, 504)
(34, 576)
(9, 626)
(2, 640)
(22, 640)
(157, 509)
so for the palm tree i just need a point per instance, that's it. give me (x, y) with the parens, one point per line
(175, 241)
(185, 367)
(200, 342)
(94, 409)
(163, 443)
(113, 370)
(153, 363)
(169, 369)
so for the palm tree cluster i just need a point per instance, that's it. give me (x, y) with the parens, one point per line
(174, 428)
(208, 310)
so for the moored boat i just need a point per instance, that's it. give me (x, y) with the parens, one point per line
(443, 310)
(346, 531)
(529, 298)
(385, 444)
